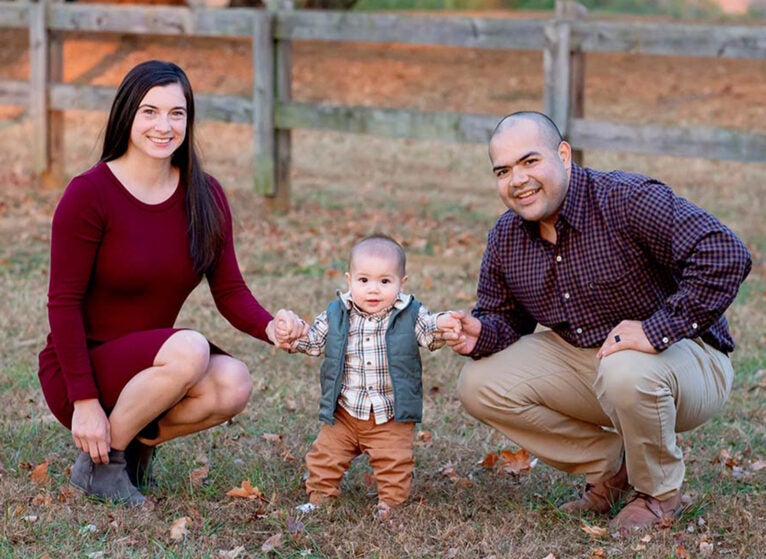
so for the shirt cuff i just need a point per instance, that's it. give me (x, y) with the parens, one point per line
(82, 391)
(487, 342)
(663, 330)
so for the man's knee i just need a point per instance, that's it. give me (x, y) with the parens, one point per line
(625, 378)
(470, 385)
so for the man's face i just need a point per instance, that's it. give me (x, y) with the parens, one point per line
(532, 176)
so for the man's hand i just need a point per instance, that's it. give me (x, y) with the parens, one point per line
(464, 341)
(448, 322)
(628, 334)
(91, 430)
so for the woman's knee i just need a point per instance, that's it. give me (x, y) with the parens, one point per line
(188, 353)
(233, 384)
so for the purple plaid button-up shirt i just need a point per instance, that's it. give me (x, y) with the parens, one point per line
(627, 248)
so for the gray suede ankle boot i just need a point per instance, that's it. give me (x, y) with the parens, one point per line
(105, 481)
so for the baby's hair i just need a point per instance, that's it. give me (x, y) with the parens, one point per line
(380, 246)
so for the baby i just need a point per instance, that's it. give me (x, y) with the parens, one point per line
(371, 376)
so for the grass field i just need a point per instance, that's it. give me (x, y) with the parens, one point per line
(441, 207)
(439, 200)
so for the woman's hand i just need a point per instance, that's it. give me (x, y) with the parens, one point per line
(91, 430)
(285, 328)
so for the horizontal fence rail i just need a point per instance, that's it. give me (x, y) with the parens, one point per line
(564, 41)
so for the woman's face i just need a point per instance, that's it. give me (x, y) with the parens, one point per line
(159, 127)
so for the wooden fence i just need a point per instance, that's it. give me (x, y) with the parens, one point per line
(565, 39)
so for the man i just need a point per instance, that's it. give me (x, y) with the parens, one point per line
(631, 282)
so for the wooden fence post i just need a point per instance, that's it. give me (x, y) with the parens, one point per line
(564, 68)
(46, 67)
(263, 102)
(38, 86)
(573, 11)
(283, 69)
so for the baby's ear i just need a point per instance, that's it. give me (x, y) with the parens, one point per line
(404, 280)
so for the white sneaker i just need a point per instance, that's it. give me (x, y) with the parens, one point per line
(306, 508)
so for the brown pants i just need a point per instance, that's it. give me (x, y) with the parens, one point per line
(389, 447)
(579, 414)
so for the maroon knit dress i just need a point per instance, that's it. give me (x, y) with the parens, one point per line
(120, 272)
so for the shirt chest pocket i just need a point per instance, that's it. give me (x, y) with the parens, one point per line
(626, 290)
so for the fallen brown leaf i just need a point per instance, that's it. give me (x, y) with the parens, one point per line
(516, 463)
(726, 459)
(41, 499)
(272, 437)
(594, 532)
(425, 437)
(665, 522)
(448, 470)
(39, 474)
(245, 491)
(287, 456)
(198, 475)
(178, 529)
(489, 460)
(272, 543)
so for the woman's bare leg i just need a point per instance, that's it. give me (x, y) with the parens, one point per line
(220, 394)
(180, 364)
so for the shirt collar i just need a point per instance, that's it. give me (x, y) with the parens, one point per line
(574, 209)
(401, 301)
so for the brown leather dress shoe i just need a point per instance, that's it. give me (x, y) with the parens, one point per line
(644, 511)
(600, 497)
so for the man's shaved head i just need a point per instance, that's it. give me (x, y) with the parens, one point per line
(549, 132)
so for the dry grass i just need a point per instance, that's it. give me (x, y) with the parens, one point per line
(438, 199)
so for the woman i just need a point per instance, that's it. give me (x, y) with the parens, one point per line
(131, 238)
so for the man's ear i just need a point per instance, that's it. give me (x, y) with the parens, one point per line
(565, 153)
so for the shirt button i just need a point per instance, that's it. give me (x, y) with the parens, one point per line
(694, 325)
(566, 295)
(665, 340)
(559, 259)
(369, 363)
(579, 330)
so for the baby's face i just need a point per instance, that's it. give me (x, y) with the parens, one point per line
(374, 282)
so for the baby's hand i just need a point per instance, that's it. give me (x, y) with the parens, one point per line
(449, 322)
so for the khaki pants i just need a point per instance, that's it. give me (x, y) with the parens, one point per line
(389, 447)
(579, 414)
